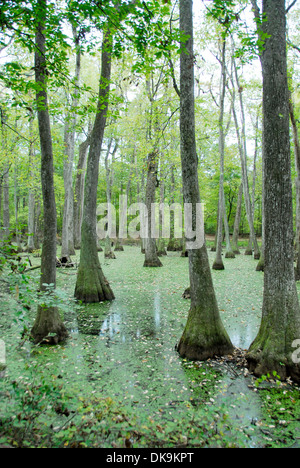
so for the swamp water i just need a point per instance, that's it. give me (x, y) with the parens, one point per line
(126, 349)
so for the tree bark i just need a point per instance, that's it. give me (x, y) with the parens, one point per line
(151, 257)
(241, 137)
(237, 221)
(297, 164)
(218, 263)
(5, 179)
(67, 248)
(48, 319)
(204, 335)
(79, 191)
(109, 169)
(272, 350)
(91, 285)
(31, 198)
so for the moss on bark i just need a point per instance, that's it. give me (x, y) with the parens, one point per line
(272, 351)
(218, 265)
(203, 339)
(48, 324)
(229, 254)
(153, 263)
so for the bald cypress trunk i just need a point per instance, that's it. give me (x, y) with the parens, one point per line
(79, 191)
(204, 335)
(218, 263)
(91, 285)
(48, 319)
(272, 350)
(236, 229)
(297, 164)
(151, 257)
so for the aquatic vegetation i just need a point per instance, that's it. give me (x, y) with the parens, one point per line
(118, 380)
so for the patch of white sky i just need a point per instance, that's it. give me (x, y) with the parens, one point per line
(208, 70)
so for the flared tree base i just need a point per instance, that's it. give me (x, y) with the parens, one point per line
(110, 255)
(153, 263)
(48, 327)
(269, 356)
(92, 286)
(229, 254)
(162, 253)
(218, 266)
(261, 264)
(202, 340)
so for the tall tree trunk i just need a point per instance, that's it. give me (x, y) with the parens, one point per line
(67, 247)
(229, 252)
(204, 335)
(237, 221)
(218, 263)
(91, 285)
(6, 211)
(151, 257)
(31, 198)
(109, 169)
(16, 206)
(297, 164)
(48, 319)
(272, 350)
(242, 143)
(123, 207)
(161, 249)
(79, 191)
(171, 247)
(5, 179)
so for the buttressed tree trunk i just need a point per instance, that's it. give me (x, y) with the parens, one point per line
(48, 320)
(91, 285)
(272, 350)
(204, 335)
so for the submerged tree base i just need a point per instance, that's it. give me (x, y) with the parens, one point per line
(261, 264)
(110, 255)
(48, 327)
(218, 266)
(202, 340)
(264, 358)
(153, 263)
(92, 286)
(229, 254)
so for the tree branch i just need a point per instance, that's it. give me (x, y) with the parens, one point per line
(291, 6)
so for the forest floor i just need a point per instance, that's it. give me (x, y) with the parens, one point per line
(118, 380)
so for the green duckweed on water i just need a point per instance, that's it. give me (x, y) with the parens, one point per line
(118, 380)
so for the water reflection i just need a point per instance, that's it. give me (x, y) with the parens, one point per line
(131, 354)
(90, 319)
